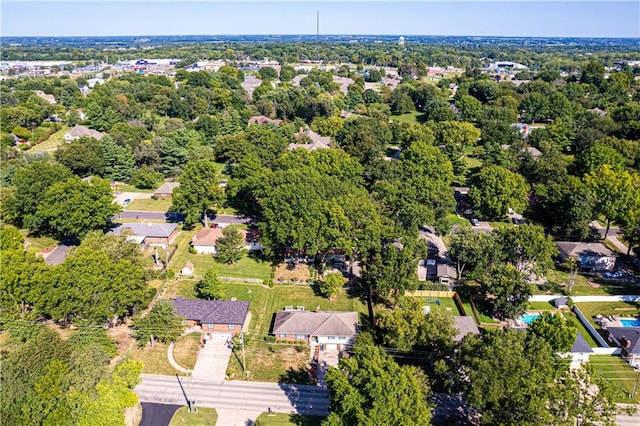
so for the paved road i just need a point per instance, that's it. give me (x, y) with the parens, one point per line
(221, 218)
(238, 395)
(58, 254)
(157, 414)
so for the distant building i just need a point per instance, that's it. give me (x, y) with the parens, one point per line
(401, 41)
(81, 131)
(148, 234)
(317, 141)
(49, 98)
(592, 257)
(166, 190)
(261, 119)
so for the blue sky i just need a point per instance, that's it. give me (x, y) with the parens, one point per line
(453, 17)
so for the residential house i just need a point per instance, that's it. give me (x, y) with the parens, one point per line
(216, 319)
(628, 339)
(206, 240)
(166, 190)
(148, 234)
(317, 141)
(81, 131)
(465, 325)
(49, 98)
(329, 330)
(261, 119)
(592, 257)
(580, 352)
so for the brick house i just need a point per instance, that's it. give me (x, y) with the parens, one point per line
(330, 330)
(206, 240)
(216, 319)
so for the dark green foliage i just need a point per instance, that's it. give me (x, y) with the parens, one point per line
(160, 324)
(146, 178)
(507, 292)
(198, 192)
(229, 246)
(209, 287)
(495, 190)
(359, 389)
(83, 157)
(555, 330)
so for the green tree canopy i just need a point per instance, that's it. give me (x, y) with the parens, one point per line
(161, 324)
(209, 287)
(554, 329)
(229, 246)
(198, 192)
(495, 190)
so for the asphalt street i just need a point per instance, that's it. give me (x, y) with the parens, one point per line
(157, 414)
(238, 395)
(176, 217)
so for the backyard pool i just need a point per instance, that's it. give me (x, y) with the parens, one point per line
(630, 322)
(528, 318)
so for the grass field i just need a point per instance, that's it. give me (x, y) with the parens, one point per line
(281, 419)
(618, 373)
(442, 303)
(411, 117)
(580, 328)
(619, 309)
(558, 280)
(204, 417)
(247, 267)
(186, 349)
(123, 187)
(35, 244)
(55, 141)
(149, 205)
(154, 360)
(270, 362)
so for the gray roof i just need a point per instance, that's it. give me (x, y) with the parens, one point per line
(158, 230)
(560, 301)
(167, 188)
(465, 325)
(581, 345)
(570, 248)
(212, 311)
(632, 334)
(80, 131)
(316, 323)
(445, 269)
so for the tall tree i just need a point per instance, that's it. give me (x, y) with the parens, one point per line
(160, 324)
(229, 246)
(527, 248)
(72, 208)
(359, 390)
(554, 329)
(495, 190)
(209, 287)
(506, 291)
(199, 191)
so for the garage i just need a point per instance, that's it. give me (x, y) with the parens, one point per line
(221, 336)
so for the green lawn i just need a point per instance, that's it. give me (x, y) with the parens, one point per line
(35, 244)
(618, 373)
(154, 360)
(270, 362)
(204, 417)
(281, 419)
(123, 187)
(185, 351)
(581, 329)
(53, 143)
(444, 303)
(410, 117)
(149, 205)
(247, 267)
(540, 306)
(586, 286)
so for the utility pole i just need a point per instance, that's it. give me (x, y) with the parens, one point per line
(244, 362)
(189, 375)
(635, 386)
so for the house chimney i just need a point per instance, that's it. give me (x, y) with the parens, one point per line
(625, 342)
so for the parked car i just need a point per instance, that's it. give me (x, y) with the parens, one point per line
(126, 202)
(615, 274)
(475, 222)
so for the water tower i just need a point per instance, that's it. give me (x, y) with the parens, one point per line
(401, 41)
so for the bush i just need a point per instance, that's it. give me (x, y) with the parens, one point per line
(145, 178)
(21, 132)
(269, 283)
(192, 250)
(269, 338)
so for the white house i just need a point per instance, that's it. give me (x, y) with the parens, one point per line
(330, 330)
(206, 240)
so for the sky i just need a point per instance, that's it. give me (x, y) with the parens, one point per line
(569, 18)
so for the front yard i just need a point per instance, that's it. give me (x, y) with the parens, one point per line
(186, 349)
(586, 286)
(270, 362)
(281, 419)
(619, 374)
(204, 417)
(154, 359)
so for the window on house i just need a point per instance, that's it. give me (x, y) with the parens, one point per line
(210, 325)
(282, 335)
(232, 326)
(301, 337)
(332, 337)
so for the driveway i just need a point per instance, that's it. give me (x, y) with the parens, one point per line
(212, 361)
(157, 414)
(57, 255)
(121, 196)
(228, 417)
(328, 358)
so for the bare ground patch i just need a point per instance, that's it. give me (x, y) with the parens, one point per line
(292, 272)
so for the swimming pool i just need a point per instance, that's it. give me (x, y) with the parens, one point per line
(630, 322)
(528, 318)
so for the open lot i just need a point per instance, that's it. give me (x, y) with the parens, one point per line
(204, 417)
(154, 359)
(186, 349)
(585, 286)
(617, 372)
(149, 205)
(280, 419)
(270, 362)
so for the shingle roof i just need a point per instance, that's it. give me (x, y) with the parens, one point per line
(316, 323)
(465, 325)
(212, 311)
(569, 248)
(261, 119)
(158, 230)
(207, 237)
(632, 334)
(167, 188)
(79, 131)
(581, 345)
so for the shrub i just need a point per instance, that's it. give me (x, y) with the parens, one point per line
(192, 250)
(21, 132)
(145, 178)
(269, 283)
(270, 338)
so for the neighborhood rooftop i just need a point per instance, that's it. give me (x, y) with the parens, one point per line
(316, 323)
(465, 325)
(160, 230)
(212, 311)
(629, 337)
(569, 248)
(167, 187)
